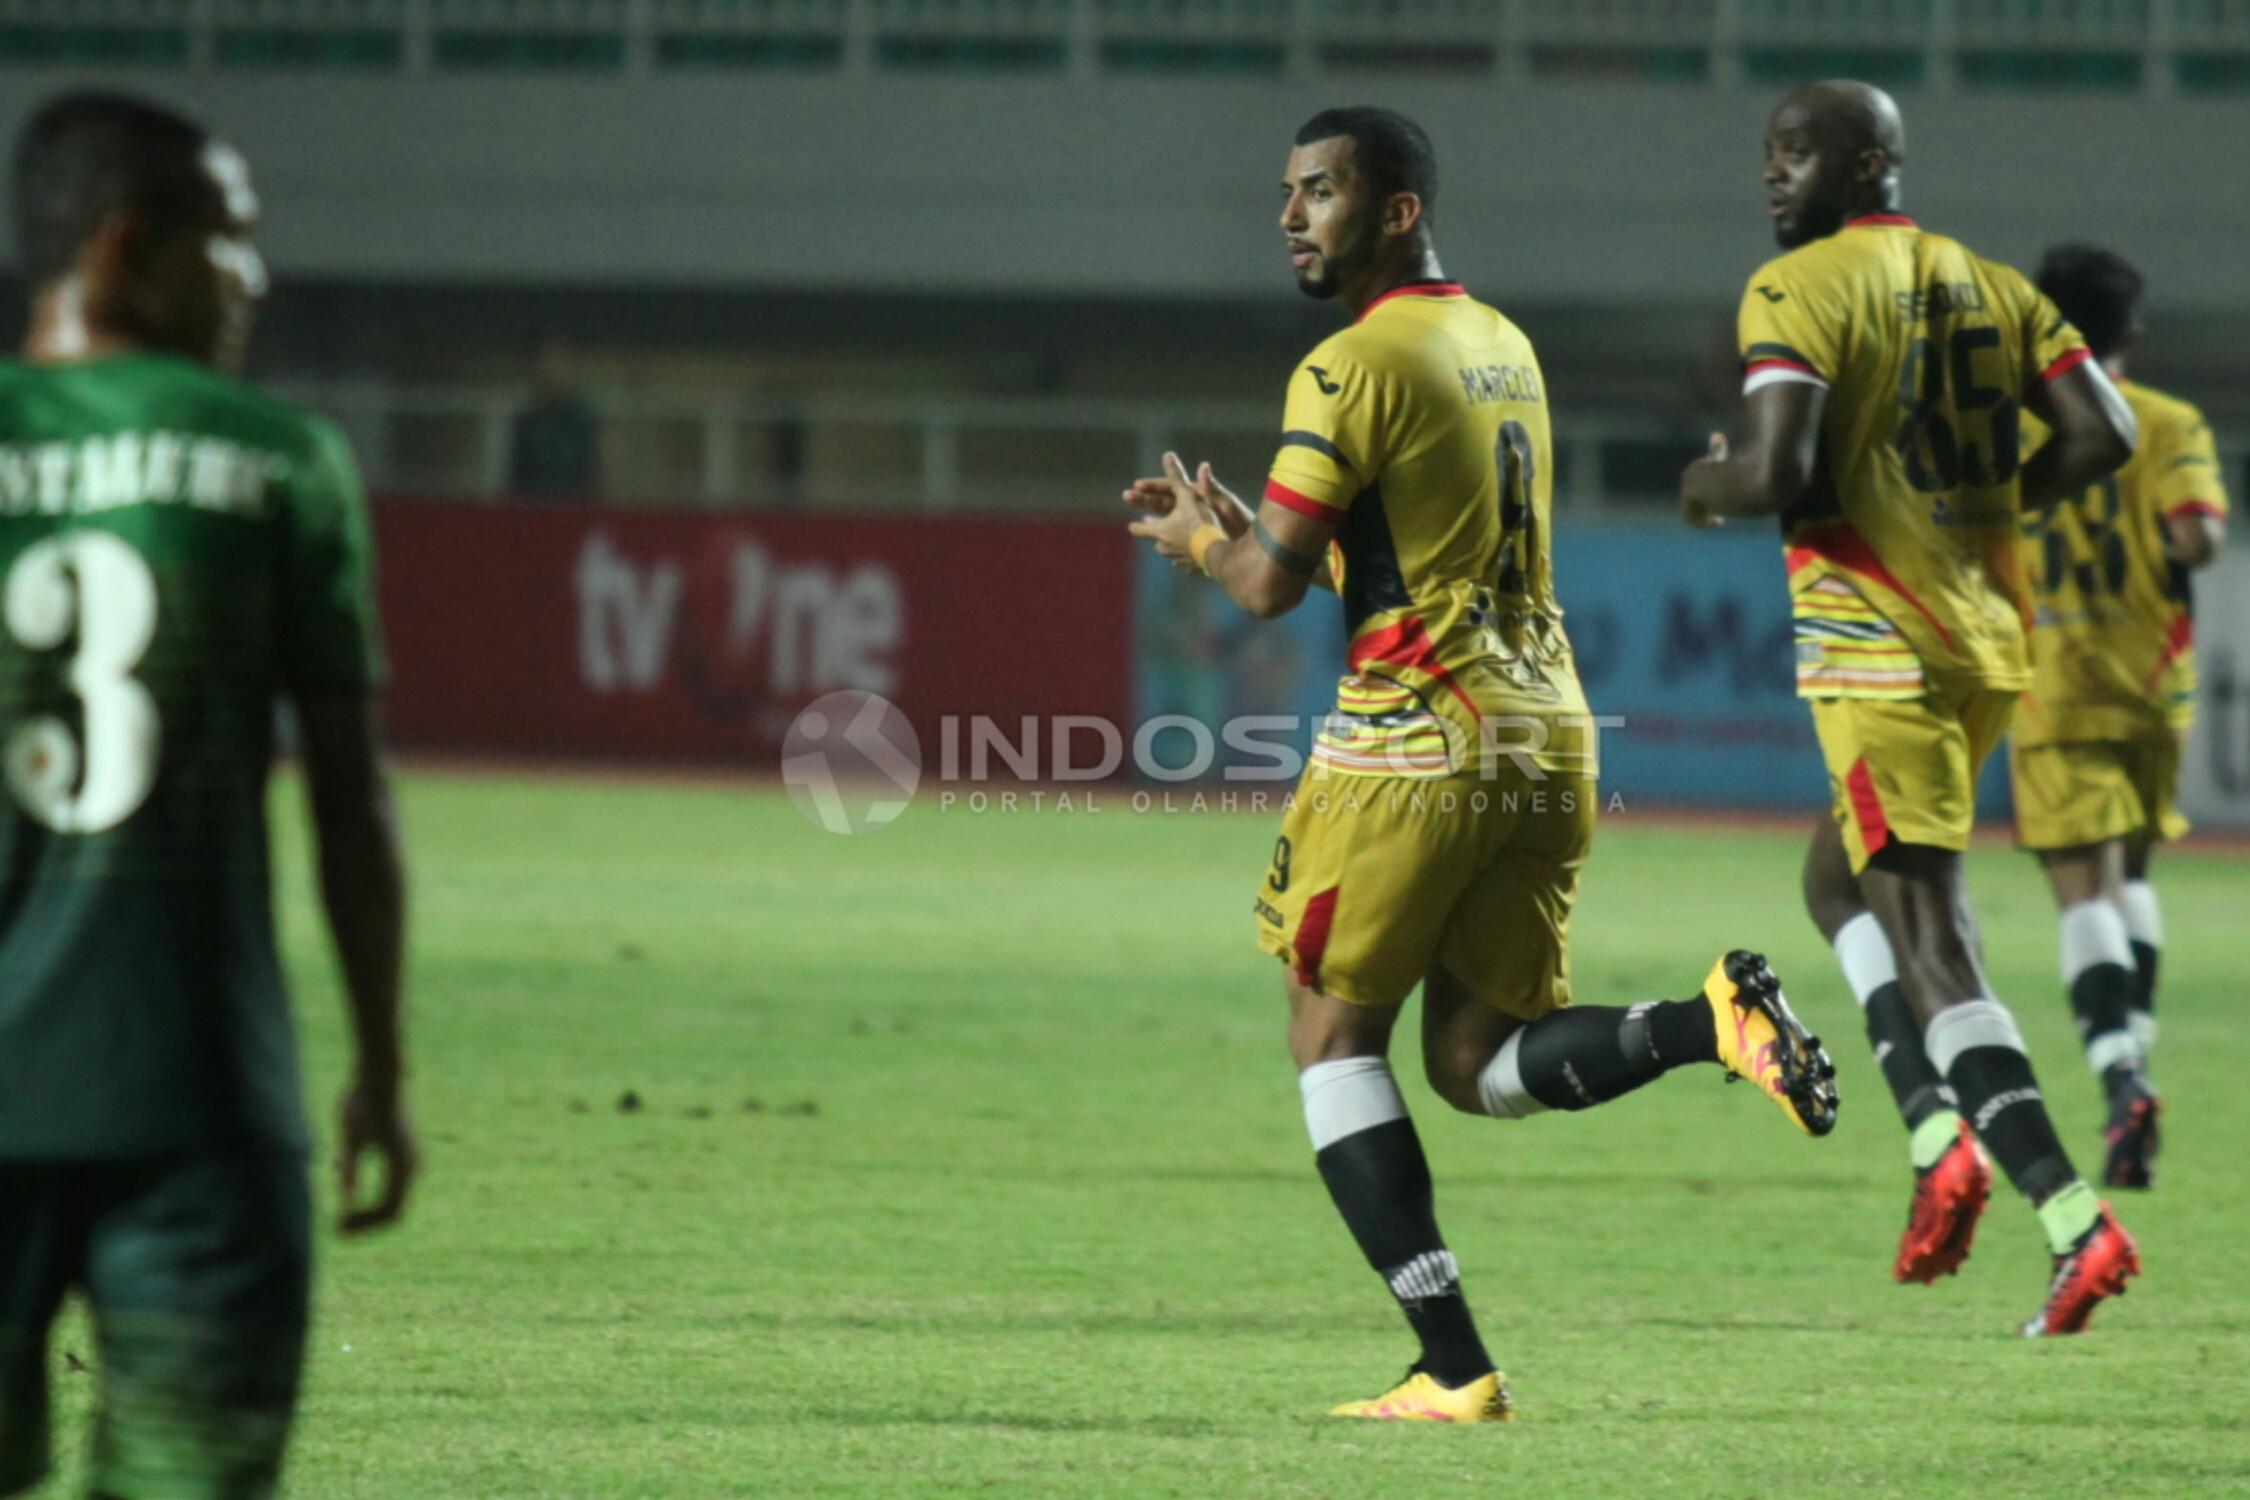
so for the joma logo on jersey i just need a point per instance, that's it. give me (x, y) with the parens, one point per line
(1320, 378)
(1500, 383)
(134, 468)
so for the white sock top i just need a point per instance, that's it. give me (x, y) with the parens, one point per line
(1865, 954)
(2093, 932)
(2144, 918)
(1347, 1096)
(1982, 1022)
(1501, 1087)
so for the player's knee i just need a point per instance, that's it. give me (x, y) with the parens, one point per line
(2088, 872)
(1453, 1068)
(1323, 1028)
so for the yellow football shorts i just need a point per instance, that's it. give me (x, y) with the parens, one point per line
(2091, 791)
(1376, 880)
(1904, 771)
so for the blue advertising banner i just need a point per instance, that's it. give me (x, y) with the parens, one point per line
(1683, 635)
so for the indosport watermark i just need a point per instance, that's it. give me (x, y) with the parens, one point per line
(853, 763)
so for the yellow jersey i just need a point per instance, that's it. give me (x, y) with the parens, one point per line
(1902, 552)
(1422, 431)
(2112, 641)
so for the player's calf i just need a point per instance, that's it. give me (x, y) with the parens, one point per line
(2098, 965)
(1981, 1052)
(1894, 1034)
(1583, 1056)
(1372, 1162)
(2144, 924)
(1588, 1055)
(1951, 1180)
(2098, 969)
(1370, 1158)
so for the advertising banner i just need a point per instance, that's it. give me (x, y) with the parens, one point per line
(546, 630)
(1683, 637)
(2215, 774)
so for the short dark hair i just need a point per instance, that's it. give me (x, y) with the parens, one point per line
(2097, 289)
(85, 155)
(1392, 150)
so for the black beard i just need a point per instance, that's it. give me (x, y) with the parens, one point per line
(1814, 222)
(1329, 284)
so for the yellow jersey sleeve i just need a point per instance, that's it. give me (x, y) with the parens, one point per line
(2184, 467)
(1335, 435)
(2052, 345)
(1787, 329)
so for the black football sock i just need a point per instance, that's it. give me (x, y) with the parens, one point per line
(2097, 965)
(1977, 1046)
(1896, 1036)
(1590, 1054)
(2101, 1000)
(1380, 1182)
(2144, 925)
(2145, 956)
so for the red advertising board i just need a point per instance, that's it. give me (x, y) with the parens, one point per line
(535, 630)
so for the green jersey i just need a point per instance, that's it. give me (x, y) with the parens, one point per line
(177, 552)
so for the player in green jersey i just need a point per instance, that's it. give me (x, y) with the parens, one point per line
(178, 553)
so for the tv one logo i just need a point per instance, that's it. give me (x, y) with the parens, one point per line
(750, 626)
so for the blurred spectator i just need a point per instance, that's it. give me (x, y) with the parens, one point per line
(788, 462)
(556, 449)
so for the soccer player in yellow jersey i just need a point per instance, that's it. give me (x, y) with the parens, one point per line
(1887, 370)
(1437, 835)
(2095, 750)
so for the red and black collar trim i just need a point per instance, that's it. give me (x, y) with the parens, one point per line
(1416, 289)
(1893, 221)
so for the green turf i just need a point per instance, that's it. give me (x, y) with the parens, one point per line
(969, 1162)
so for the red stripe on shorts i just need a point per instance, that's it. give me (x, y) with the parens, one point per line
(1867, 808)
(1312, 936)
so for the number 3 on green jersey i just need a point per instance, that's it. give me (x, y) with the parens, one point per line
(90, 593)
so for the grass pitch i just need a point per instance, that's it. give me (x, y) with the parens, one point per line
(964, 1158)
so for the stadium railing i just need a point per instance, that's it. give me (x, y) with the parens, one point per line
(927, 452)
(2159, 46)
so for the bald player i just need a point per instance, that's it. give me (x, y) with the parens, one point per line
(1887, 371)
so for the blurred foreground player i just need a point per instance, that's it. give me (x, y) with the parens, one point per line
(1437, 834)
(177, 553)
(1887, 369)
(2095, 750)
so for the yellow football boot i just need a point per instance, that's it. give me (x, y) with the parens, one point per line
(1761, 1039)
(1419, 1398)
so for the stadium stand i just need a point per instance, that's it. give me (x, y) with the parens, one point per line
(2155, 45)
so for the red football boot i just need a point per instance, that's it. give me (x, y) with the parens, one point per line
(2129, 1154)
(2095, 1270)
(1947, 1201)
